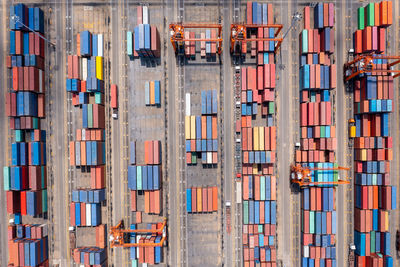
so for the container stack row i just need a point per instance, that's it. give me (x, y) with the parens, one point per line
(201, 132)
(257, 132)
(374, 196)
(207, 49)
(317, 81)
(149, 255)
(28, 245)
(202, 199)
(25, 179)
(145, 181)
(85, 84)
(258, 87)
(260, 13)
(152, 93)
(372, 22)
(144, 41)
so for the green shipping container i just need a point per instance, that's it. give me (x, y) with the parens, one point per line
(90, 116)
(19, 136)
(7, 178)
(304, 41)
(98, 98)
(370, 14)
(335, 173)
(361, 19)
(129, 43)
(194, 158)
(372, 247)
(245, 212)
(35, 122)
(260, 229)
(374, 179)
(262, 187)
(43, 171)
(302, 220)
(322, 131)
(271, 107)
(44, 200)
(134, 263)
(312, 222)
(139, 178)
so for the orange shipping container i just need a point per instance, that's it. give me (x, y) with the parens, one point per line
(138, 217)
(101, 236)
(214, 128)
(199, 200)
(209, 199)
(273, 188)
(83, 153)
(157, 201)
(133, 200)
(83, 214)
(215, 198)
(194, 199)
(203, 127)
(273, 138)
(72, 153)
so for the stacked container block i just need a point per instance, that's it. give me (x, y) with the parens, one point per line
(258, 143)
(201, 131)
(152, 92)
(317, 81)
(146, 178)
(373, 99)
(90, 256)
(144, 41)
(28, 245)
(25, 180)
(202, 199)
(149, 255)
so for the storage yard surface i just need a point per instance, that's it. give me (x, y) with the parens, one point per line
(193, 238)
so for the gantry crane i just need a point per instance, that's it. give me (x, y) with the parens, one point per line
(239, 35)
(364, 63)
(177, 31)
(301, 175)
(120, 237)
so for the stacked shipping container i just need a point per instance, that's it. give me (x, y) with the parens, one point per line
(373, 96)
(318, 139)
(201, 199)
(144, 42)
(258, 142)
(87, 152)
(25, 181)
(152, 92)
(201, 131)
(28, 245)
(150, 255)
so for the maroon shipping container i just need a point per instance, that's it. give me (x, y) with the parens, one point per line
(13, 202)
(31, 43)
(155, 41)
(19, 46)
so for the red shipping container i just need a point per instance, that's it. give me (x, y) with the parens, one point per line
(272, 70)
(267, 76)
(72, 214)
(260, 75)
(307, 17)
(133, 200)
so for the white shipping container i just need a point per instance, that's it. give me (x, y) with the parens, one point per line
(145, 15)
(238, 192)
(100, 45)
(88, 214)
(84, 69)
(45, 229)
(84, 134)
(147, 93)
(306, 251)
(209, 157)
(80, 59)
(137, 251)
(77, 153)
(187, 110)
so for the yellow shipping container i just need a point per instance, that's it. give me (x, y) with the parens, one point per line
(187, 127)
(256, 139)
(199, 200)
(352, 131)
(152, 95)
(193, 127)
(363, 155)
(99, 68)
(386, 215)
(255, 169)
(261, 134)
